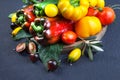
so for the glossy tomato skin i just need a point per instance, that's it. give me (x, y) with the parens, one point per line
(92, 11)
(69, 37)
(106, 16)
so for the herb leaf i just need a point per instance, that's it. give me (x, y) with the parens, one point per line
(50, 52)
(22, 34)
(90, 54)
(97, 48)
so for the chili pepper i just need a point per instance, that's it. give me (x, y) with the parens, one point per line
(25, 16)
(56, 26)
(28, 12)
(38, 25)
(16, 30)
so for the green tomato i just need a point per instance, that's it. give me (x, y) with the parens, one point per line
(51, 10)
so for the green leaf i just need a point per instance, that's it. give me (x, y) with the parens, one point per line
(47, 53)
(22, 34)
(91, 38)
(97, 48)
(95, 42)
(90, 54)
(10, 15)
(30, 1)
(52, 1)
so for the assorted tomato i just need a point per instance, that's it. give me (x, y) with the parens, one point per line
(88, 26)
(92, 11)
(69, 37)
(106, 15)
(51, 10)
(68, 20)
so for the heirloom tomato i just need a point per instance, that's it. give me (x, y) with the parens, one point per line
(106, 16)
(87, 26)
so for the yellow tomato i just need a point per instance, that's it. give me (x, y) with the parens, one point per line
(74, 55)
(88, 26)
(51, 10)
(100, 3)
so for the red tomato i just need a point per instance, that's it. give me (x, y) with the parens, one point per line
(69, 37)
(106, 16)
(92, 11)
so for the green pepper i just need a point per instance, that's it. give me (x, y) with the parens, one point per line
(37, 25)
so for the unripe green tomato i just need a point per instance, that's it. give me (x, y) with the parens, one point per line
(74, 55)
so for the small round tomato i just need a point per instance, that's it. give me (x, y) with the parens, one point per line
(106, 16)
(51, 10)
(69, 37)
(92, 11)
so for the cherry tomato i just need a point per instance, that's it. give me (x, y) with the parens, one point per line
(106, 16)
(51, 10)
(92, 11)
(74, 55)
(69, 37)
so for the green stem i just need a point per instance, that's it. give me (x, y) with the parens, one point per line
(75, 3)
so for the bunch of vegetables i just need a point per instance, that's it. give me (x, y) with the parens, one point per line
(48, 26)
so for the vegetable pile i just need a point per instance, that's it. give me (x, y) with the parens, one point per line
(48, 27)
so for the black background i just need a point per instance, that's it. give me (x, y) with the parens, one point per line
(106, 65)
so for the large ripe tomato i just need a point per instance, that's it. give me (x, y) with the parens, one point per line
(88, 26)
(92, 11)
(106, 16)
(69, 37)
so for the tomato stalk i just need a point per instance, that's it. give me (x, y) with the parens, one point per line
(75, 3)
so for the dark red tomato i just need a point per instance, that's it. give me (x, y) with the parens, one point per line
(69, 37)
(106, 16)
(92, 11)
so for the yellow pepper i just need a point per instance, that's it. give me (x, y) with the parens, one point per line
(13, 18)
(92, 3)
(16, 30)
(100, 3)
(73, 9)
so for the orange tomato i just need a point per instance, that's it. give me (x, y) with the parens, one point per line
(88, 26)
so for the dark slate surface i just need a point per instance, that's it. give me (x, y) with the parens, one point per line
(106, 65)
